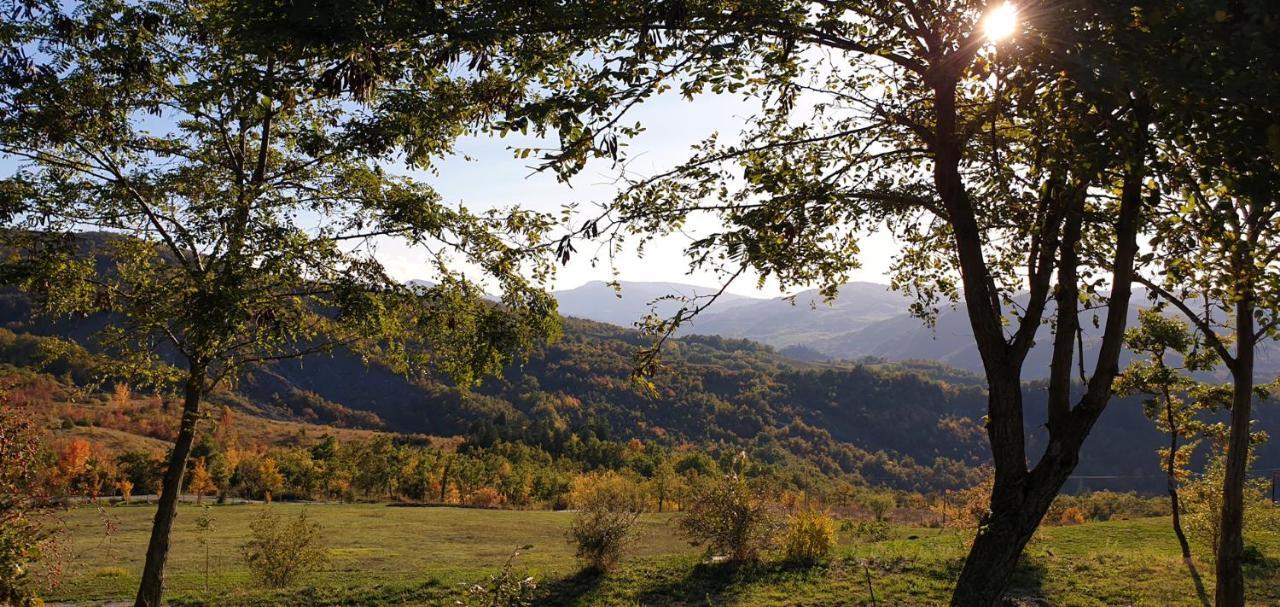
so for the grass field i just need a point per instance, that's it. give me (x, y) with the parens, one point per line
(384, 555)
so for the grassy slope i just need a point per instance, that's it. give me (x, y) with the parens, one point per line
(382, 555)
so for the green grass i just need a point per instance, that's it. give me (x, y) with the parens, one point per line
(392, 556)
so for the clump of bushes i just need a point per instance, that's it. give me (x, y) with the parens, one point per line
(1071, 516)
(730, 518)
(867, 531)
(809, 537)
(607, 510)
(1106, 505)
(280, 552)
(486, 497)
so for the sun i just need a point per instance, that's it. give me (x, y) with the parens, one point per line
(1001, 22)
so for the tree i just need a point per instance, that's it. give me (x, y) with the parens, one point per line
(1176, 401)
(1016, 173)
(239, 204)
(201, 481)
(730, 517)
(664, 482)
(1215, 246)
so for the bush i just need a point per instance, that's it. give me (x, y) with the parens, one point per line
(503, 589)
(1201, 502)
(1071, 516)
(809, 537)
(868, 531)
(730, 519)
(280, 553)
(486, 497)
(606, 513)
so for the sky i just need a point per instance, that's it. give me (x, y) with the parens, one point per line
(483, 173)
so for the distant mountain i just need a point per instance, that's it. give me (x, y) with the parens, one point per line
(866, 320)
(803, 319)
(632, 301)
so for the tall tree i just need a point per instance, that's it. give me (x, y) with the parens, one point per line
(1006, 166)
(240, 202)
(1215, 246)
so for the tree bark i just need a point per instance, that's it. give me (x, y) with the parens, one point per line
(151, 588)
(1229, 591)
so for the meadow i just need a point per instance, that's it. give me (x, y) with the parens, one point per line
(385, 555)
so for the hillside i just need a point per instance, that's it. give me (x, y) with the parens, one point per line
(866, 320)
(907, 425)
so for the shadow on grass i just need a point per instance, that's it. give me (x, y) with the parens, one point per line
(1026, 589)
(569, 590)
(1199, 583)
(429, 592)
(700, 584)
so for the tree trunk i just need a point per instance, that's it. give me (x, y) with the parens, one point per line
(1229, 591)
(1177, 520)
(1171, 471)
(152, 585)
(1016, 511)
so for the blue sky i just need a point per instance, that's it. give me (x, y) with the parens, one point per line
(493, 177)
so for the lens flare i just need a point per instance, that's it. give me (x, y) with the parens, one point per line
(1001, 22)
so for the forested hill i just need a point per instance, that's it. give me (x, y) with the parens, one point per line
(905, 424)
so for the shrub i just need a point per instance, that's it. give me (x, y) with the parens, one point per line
(966, 508)
(606, 513)
(1071, 516)
(486, 497)
(809, 537)
(869, 531)
(730, 519)
(279, 553)
(1201, 501)
(503, 589)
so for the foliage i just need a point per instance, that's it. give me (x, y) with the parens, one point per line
(1071, 516)
(879, 503)
(808, 537)
(731, 518)
(23, 534)
(867, 531)
(1203, 505)
(280, 552)
(607, 510)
